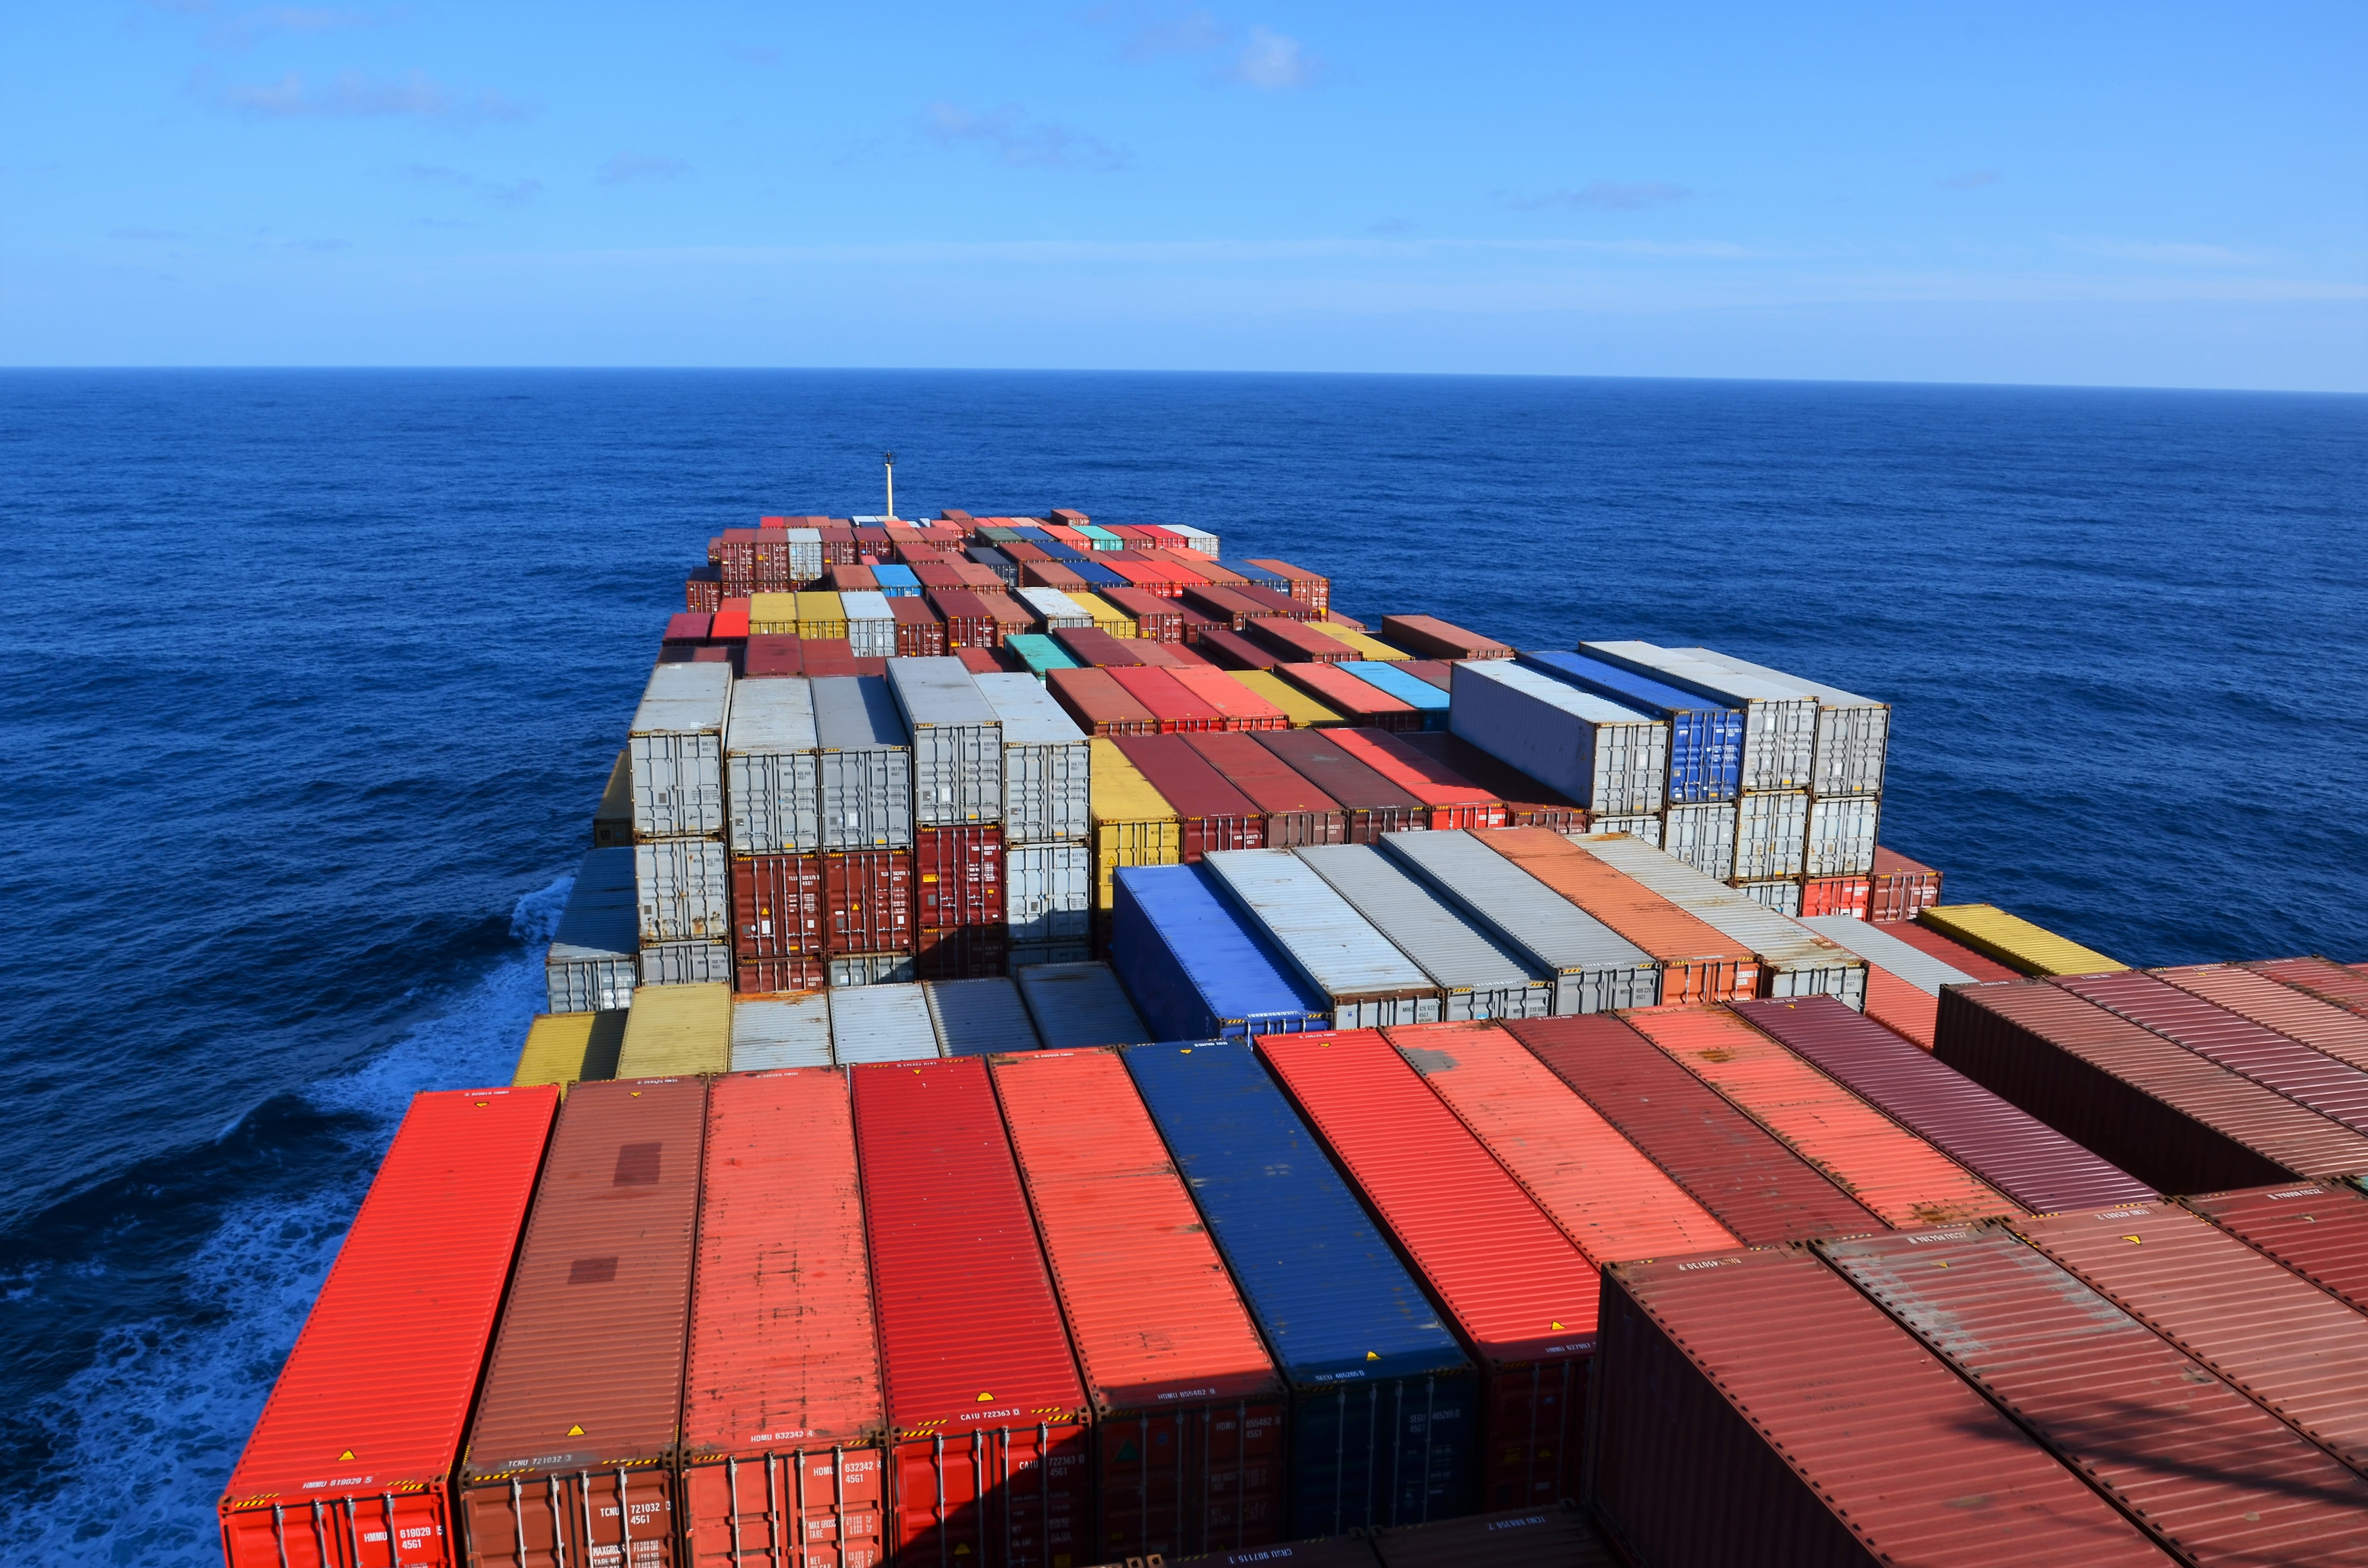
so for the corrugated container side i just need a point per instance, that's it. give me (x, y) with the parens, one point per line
(682, 891)
(1853, 732)
(1841, 835)
(1296, 811)
(868, 902)
(1793, 959)
(563, 1049)
(2016, 942)
(1698, 963)
(1133, 825)
(773, 793)
(777, 906)
(1903, 889)
(590, 966)
(1079, 1006)
(677, 749)
(690, 963)
(957, 742)
(1211, 814)
(789, 1030)
(2322, 978)
(1702, 836)
(1607, 757)
(1328, 944)
(612, 819)
(1780, 725)
(979, 1017)
(865, 765)
(1845, 896)
(844, 969)
(2318, 1230)
(1371, 804)
(1100, 705)
(1452, 802)
(1705, 739)
(2320, 1025)
(1770, 833)
(1478, 976)
(1903, 982)
(1528, 803)
(957, 881)
(1048, 892)
(1198, 969)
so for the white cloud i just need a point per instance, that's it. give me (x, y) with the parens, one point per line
(1016, 141)
(1272, 61)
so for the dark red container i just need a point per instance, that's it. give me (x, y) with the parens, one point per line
(1837, 895)
(1020, 550)
(1436, 672)
(839, 546)
(991, 1463)
(772, 653)
(939, 574)
(872, 539)
(1229, 607)
(1371, 804)
(2323, 978)
(827, 656)
(1214, 814)
(1528, 803)
(987, 662)
(2319, 1229)
(1177, 710)
(777, 906)
(1455, 801)
(1757, 1186)
(957, 878)
(1011, 617)
(1235, 652)
(2320, 1024)
(919, 633)
(1096, 649)
(969, 623)
(1296, 811)
(1156, 618)
(1308, 587)
(752, 976)
(1098, 704)
(1199, 623)
(845, 579)
(1439, 639)
(1051, 574)
(686, 630)
(1350, 695)
(1173, 656)
(703, 590)
(868, 897)
(1272, 603)
(1296, 643)
(1902, 888)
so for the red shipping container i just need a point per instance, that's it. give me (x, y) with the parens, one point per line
(1020, 550)
(577, 1430)
(957, 878)
(2319, 1231)
(782, 1418)
(1051, 574)
(1269, 602)
(2320, 1025)
(731, 622)
(1232, 651)
(991, 1465)
(702, 590)
(686, 630)
(762, 976)
(845, 579)
(939, 574)
(838, 548)
(829, 656)
(1069, 535)
(2167, 1117)
(1902, 889)
(1754, 1408)
(1307, 587)
(964, 953)
(2018, 1154)
(1754, 1185)
(1520, 1296)
(969, 623)
(1351, 695)
(1955, 954)
(777, 906)
(974, 576)
(1177, 710)
(869, 898)
(1163, 538)
(1236, 705)
(1453, 802)
(1439, 639)
(1156, 618)
(1296, 811)
(1199, 623)
(2322, 978)
(1161, 581)
(2210, 1473)
(1436, 672)
(1905, 1181)
(1132, 534)
(1528, 803)
(1172, 656)
(1298, 644)
(1098, 704)
(1094, 648)
(1213, 813)
(986, 662)
(773, 654)
(925, 554)
(1188, 1406)
(1013, 619)
(919, 633)
(1224, 606)
(1837, 895)
(1902, 1007)
(872, 539)
(1372, 805)
(382, 1375)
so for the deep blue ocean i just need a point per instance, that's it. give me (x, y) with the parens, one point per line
(312, 679)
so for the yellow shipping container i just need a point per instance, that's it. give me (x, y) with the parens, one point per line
(567, 1048)
(775, 614)
(820, 614)
(1106, 615)
(1366, 647)
(674, 1031)
(1303, 711)
(2016, 942)
(1134, 823)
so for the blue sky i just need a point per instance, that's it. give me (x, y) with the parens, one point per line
(2153, 194)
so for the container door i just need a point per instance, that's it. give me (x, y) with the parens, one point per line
(1010, 1497)
(590, 1518)
(807, 1508)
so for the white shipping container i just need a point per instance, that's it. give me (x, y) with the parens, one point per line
(1055, 609)
(677, 747)
(1478, 976)
(1048, 892)
(1793, 959)
(682, 891)
(957, 742)
(1367, 981)
(1853, 732)
(1644, 829)
(1780, 722)
(687, 963)
(979, 1017)
(1200, 540)
(1605, 757)
(1079, 1006)
(1702, 836)
(880, 1023)
(1783, 897)
(806, 553)
(1047, 763)
(1772, 832)
(1878, 947)
(871, 624)
(870, 969)
(788, 1030)
(592, 964)
(1841, 835)
(771, 775)
(864, 768)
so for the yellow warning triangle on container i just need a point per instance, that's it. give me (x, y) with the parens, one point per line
(1370, 1357)
(576, 1431)
(1555, 1326)
(347, 1455)
(2133, 1241)
(986, 1399)
(963, 1551)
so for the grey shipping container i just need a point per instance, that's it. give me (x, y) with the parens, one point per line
(781, 1031)
(979, 1017)
(1047, 765)
(1702, 836)
(1841, 835)
(1595, 969)
(806, 553)
(871, 624)
(1055, 609)
(1605, 757)
(870, 969)
(1478, 976)
(864, 767)
(1783, 895)
(1048, 892)
(682, 891)
(1021, 955)
(1646, 829)
(1077, 1006)
(687, 963)
(772, 785)
(880, 1023)
(1793, 959)
(676, 743)
(1780, 722)
(1771, 827)
(1853, 732)
(1366, 981)
(591, 966)
(957, 742)
(1878, 947)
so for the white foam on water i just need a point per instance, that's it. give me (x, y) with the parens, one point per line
(143, 1438)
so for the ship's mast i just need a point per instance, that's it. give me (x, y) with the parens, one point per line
(890, 460)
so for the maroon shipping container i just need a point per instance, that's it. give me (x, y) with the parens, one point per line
(1213, 814)
(1528, 803)
(1352, 696)
(703, 591)
(572, 1455)
(1156, 618)
(1231, 649)
(2320, 1025)
(772, 653)
(1020, 550)
(1439, 639)
(1098, 704)
(1272, 603)
(920, 555)
(763, 976)
(2307, 1077)
(919, 633)
(872, 539)
(987, 662)
(1199, 623)
(777, 906)
(969, 623)
(1177, 709)
(1309, 588)
(1955, 954)
(939, 574)
(958, 878)
(829, 656)
(1296, 642)
(1094, 648)
(686, 630)
(1229, 607)
(2319, 1229)
(2323, 978)
(1173, 656)
(1752, 1408)
(1436, 672)
(1748, 1179)
(2018, 1154)
(991, 1466)
(2163, 1114)
(2212, 1475)
(2294, 1349)
(1051, 574)
(868, 896)
(1013, 619)
(1903, 888)
(1296, 811)
(1371, 804)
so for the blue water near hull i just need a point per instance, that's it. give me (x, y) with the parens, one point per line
(312, 678)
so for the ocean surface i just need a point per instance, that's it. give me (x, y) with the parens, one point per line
(312, 679)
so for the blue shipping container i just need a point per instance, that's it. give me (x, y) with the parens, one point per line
(1706, 738)
(1197, 970)
(1099, 577)
(996, 561)
(1412, 689)
(897, 581)
(1257, 574)
(1384, 1408)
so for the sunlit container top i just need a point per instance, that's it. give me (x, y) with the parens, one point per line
(1554, 932)
(599, 921)
(1706, 736)
(2016, 942)
(685, 700)
(856, 713)
(880, 1023)
(1393, 681)
(1054, 608)
(1318, 930)
(563, 1049)
(1077, 1006)
(2318, 1230)
(769, 716)
(1303, 710)
(978, 1018)
(1028, 712)
(677, 1029)
(1878, 947)
(770, 1032)
(1238, 983)
(1456, 955)
(1039, 652)
(865, 604)
(2320, 1024)
(937, 693)
(1780, 942)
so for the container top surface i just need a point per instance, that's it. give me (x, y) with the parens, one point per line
(856, 713)
(937, 693)
(2334, 1089)
(2017, 942)
(1334, 1302)
(1053, 602)
(978, 1018)
(1419, 773)
(1417, 920)
(688, 698)
(1028, 712)
(1548, 926)
(1302, 709)
(1185, 778)
(1166, 697)
(2323, 978)
(1630, 687)
(1777, 938)
(563, 1048)
(1662, 928)
(2015, 1151)
(1581, 704)
(1227, 696)
(1150, 1308)
(1745, 1321)
(1508, 783)
(1827, 696)
(772, 716)
(1238, 975)
(1412, 690)
(2319, 1229)
(1956, 955)
(880, 1023)
(1334, 685)
(1272, 784)
(1319, 756)
(969, 1332)
(790, 1030)
(1320, 931)
(1514, 1282)
(1077, 1006)
(586, 1369)
(1879, 947)
(677, 1029)
(393, 1344)
(865, 604)
(1899, 1175)
(1038, 652)
(780, 1320)
(1120, 793)
(1732, 687)
(893, 574)
(599, 920)
(2297, 1015)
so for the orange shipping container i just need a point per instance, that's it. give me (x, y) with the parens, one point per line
(1698, 962)
(1455, 801)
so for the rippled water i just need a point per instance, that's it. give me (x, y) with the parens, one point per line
(313, 677)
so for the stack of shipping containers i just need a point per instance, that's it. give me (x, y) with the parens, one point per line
(957, 863)
(1048, 886)
(679, 871)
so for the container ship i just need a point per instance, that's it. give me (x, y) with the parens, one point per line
(1064, 1049)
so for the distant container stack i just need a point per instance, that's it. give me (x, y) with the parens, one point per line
(682, 876)
(1048, 884)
